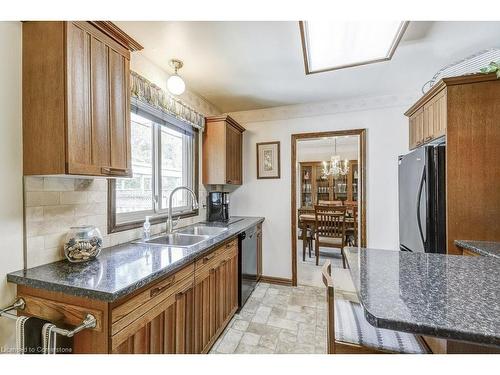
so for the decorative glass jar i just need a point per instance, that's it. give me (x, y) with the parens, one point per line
(83, 243)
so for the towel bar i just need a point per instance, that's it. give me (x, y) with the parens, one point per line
(89, 321)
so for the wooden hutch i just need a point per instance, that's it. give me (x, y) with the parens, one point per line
(315, 187)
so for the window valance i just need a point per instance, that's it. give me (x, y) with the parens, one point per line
(149, 93)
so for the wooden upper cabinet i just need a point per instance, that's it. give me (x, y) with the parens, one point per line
(76, 99)
(427, 118)
(222, 151)
(416, 130)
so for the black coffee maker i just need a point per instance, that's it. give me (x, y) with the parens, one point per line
(217, 206)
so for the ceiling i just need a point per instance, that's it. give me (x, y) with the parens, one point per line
(252, 65)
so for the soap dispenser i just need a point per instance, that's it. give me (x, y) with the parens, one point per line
(146, 229)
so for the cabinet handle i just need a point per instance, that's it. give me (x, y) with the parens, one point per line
(428, 138)
(155, 291)
(114, 171)
(208, 257)
(229, 245)
(229, 181)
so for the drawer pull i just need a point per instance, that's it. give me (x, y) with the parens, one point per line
(155, 291)
(208, 257)
(229, 245)
(114, 171)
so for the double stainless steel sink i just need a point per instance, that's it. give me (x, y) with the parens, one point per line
(185, 237)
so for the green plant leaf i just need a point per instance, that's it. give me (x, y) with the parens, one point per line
(490, 68)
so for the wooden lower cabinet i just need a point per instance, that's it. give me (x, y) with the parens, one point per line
(216, 296)
(168, 332)
(183, 313)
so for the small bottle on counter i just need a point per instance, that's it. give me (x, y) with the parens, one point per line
(146, 229)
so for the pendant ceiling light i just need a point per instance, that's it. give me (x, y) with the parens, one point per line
(337, 166)
(175, 84)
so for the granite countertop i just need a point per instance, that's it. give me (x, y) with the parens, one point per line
(447, 296)
(487, 248)
(122, 269)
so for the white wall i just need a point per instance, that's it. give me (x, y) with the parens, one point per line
(11, 189)
(307, 151)
(387, 137)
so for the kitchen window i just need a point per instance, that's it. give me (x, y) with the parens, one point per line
(164, 156)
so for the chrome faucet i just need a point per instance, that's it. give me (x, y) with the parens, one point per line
(170, 223)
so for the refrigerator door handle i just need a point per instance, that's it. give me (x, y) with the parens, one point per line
(419, 221)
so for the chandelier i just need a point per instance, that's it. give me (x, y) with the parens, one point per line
(337, 166)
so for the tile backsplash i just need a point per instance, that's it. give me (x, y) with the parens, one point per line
(54, 204)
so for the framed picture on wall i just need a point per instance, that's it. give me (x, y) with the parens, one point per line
(268, 160)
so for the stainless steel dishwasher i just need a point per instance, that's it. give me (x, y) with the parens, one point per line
(247, 264)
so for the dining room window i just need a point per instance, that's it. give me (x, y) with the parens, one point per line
(164, 156)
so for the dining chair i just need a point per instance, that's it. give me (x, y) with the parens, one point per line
(348, 331)
(329, 229)
(352, 230)
(306, 233)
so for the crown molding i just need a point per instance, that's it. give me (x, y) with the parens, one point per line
(325, 108)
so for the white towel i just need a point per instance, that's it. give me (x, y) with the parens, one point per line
(49, 339)
(20, 334)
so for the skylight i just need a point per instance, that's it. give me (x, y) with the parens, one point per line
(330, 45)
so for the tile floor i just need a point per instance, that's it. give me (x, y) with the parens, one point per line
(278, 319)
(310, 274)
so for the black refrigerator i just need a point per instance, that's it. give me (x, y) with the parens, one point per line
(422, 199)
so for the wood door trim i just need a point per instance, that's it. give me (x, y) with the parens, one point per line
(361, 170)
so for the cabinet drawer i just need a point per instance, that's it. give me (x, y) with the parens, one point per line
(214, 259)
(138, 305)
(215, 255)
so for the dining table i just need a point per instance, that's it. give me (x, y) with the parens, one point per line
(307, 220)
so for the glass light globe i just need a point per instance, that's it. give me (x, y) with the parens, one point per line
(176, 85)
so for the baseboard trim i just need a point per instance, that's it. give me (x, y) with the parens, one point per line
(276, 280)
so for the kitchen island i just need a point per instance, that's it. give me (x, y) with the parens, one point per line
(450, 297)
(146, 298)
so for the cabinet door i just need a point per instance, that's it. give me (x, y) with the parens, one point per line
(98, 114)
(440, 114)
(184, 327)
(231, 283)
(205, 310)
(428, 121)
(119, 119)
(233, 155)
(167, 328)
(416, 130)
(99, 102)
(220, 290)
(79, 128)
(412, 132)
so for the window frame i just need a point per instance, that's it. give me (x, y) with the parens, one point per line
(157, 214)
